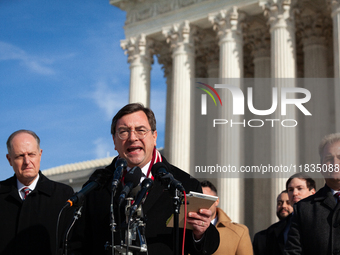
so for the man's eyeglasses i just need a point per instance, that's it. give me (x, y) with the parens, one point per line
(140, 133)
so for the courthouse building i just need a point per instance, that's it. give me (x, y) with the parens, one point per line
(291, 46)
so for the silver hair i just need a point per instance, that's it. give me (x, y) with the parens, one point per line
(328, 139)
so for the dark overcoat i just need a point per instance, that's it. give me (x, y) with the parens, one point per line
(29, 227)
(315, 228)
(95, 222)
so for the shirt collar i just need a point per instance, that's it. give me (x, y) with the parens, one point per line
(334, 191)
(214, 221)
(31, 187)
(144, 170)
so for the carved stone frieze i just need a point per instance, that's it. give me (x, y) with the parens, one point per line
(138, 10)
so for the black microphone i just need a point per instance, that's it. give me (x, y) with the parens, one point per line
(160, 172)
(120, 165)
(132, 179)
(97, 180)
(146, 186)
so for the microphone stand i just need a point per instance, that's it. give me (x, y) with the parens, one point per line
(112, 216)
(135, 240)
(76, 216)
(176, 208)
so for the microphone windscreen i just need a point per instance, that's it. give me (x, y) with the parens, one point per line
(100, 176)
(133, 176)
(121, 162)
(156, 168)
(134, 191)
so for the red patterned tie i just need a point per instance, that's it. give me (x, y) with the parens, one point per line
(26, 190)
(337, 196)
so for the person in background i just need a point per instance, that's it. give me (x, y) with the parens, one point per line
(30, 202)
(315, 227)
(234, 237)
(283, 209)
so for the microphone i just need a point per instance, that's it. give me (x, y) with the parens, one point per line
(97, 180)
(132, 179)
(160, 172)
(146, 186)
(120, 165)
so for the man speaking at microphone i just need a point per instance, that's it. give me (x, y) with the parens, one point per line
(134, 135)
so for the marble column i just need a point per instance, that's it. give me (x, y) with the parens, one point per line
(336, 47)
(283, 63)
(165, 60)
(180, 38)
(229, 31)
(313, 27)
(140, 59)
(258, 40)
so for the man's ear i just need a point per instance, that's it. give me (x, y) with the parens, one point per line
(114, 142)
(313, 191)
(9, 159)
(217, 201)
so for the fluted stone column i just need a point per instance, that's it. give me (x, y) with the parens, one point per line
(213, 74)
(313, 28)
(140, 60)
(258, 38)
(180, 38)
(165, 60)
(229, 31)
(283, 62)
(336, 46)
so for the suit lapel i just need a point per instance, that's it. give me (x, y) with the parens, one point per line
(326, 198)
(9, 187)
(154, 194)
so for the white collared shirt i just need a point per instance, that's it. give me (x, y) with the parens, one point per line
(214, 221)
(31, 187)
(144, 171)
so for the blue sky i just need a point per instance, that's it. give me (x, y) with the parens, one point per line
(64, 76)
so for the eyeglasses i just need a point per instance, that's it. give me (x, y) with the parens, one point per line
(140, 133)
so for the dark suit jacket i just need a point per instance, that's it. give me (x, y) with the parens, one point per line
(158, 207)
(271, 240)
(315, 228)
(29, 227)
(275, 236)
(259, 242)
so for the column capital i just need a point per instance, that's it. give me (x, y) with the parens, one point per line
(227, 22)
(335, 6)
(280, 13)
(138, 47)
(313, 26)
(180, 34)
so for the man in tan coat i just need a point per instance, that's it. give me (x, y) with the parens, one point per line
(234, 237)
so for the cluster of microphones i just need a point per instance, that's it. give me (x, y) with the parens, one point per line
(132, 180)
